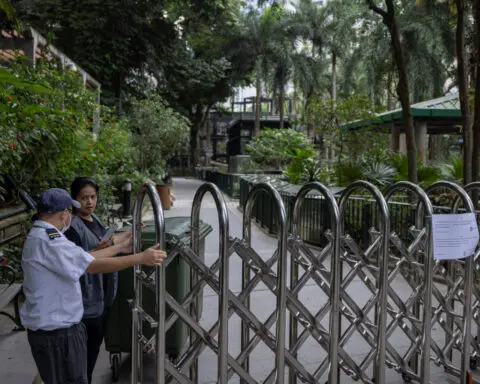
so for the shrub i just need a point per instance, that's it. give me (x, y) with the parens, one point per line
(47, 119)
(158, 134)
(46, 122)
(276, 147)
(427, 174)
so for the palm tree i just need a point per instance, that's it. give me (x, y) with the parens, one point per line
(258, 40)
(339, 37)
(308, 62)
(280, 62)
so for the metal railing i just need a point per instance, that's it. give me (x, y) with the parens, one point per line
(380, 297)
(228, 183)
(360, 214)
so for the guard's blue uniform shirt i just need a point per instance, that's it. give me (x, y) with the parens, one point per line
(52, 266)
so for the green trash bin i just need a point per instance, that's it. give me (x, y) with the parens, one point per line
(118, 337)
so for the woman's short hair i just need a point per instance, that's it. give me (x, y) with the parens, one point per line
(81, 182)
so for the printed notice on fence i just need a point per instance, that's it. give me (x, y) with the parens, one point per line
(455, 236)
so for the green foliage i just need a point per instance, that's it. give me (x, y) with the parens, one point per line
(109, 39)
(327, 116)
(427, 174)
(453, 169)
(379, 173)
(11, 264)
(158, 134)
(46, 117)
(111, 188)
(276, 147)
(313, 171)
(112, 154)
(302, 166)
(347, 172)
(383, 168)
(285, 149)
(46, 131)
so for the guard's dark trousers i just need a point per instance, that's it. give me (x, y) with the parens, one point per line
(61, 354)
(96, 329)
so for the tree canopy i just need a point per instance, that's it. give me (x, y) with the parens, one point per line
(195, 53)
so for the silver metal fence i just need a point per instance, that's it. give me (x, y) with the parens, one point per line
(408, 294)
(324, 271)
(455, 286)
(413, 263)
(369, 266)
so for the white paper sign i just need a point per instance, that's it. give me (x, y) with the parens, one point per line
(455, 236)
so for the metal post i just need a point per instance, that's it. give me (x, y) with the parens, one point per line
(468, 279)
(137, 350)
(383, 219)
(473, 189)
(137, 288)
(253, 196)
(135, 341)
(127, 197)
(335, 316)
(224, 268)
(424, 214)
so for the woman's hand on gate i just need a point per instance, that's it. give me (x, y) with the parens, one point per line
(120, 238)
(126, 247)
(104, 244)
(153, 256)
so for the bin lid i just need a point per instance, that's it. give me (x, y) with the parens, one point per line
(177, 229)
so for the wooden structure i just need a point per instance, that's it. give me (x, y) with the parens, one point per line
(431, 118)
(230, 131)
(266, 105)
(33, 45)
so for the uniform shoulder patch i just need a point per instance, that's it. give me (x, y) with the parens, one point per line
(52, 233)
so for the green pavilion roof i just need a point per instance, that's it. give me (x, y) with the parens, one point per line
(441, 112)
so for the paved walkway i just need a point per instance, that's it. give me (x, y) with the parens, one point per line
(17, 366)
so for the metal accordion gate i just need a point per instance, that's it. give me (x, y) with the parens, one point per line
(389, 297)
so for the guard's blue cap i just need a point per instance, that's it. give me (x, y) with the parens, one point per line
(55, 200)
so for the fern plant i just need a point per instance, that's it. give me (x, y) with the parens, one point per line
(427, 174)
(453, 170)
(348, 172)
(379, 173)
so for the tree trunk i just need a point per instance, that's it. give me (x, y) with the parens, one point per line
(118, 93)
(463, 92)
(258, 99)
(476, 122)
(281, 107)
(334, 76)
(389, 90)
(372, 88)
(294, 99)
(310, 124)
(197, 120)
(402, 88)
(435, 148)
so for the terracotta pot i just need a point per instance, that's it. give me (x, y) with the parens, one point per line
(164, 193)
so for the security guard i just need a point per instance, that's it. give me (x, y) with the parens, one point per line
(53, 309)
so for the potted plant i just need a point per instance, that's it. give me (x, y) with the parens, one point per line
(156, 176)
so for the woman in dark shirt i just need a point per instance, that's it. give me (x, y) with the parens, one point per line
(99, 290)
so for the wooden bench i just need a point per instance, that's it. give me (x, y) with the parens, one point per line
(11, 292)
